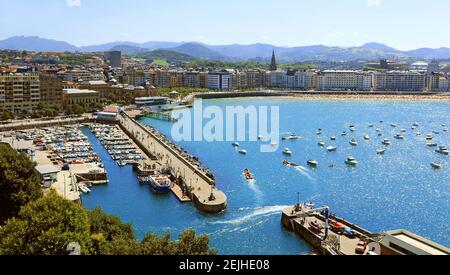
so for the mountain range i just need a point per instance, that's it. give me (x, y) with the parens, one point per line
(234, 52)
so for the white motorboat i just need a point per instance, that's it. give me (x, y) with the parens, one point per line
(287, 151)
(312, 163)
(236, 144)
(332, 138)
(321, 143)
(367, 137)
(436, 165)
(351, 161)
(331, 148)
(243, 152)
(381, 151)
(398, 136)
(353, 142)
(443, 150)
(386, 142)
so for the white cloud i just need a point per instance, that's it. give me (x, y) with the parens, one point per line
(73, 3)
(124, 34)
(374, 3)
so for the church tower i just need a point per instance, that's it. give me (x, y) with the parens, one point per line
(273, 64)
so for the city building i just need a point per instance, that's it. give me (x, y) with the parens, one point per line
(80, 97)
(19, 92)
(114, 58)
(51, 88)
(330, 80)
(399, 81)
(219, 80)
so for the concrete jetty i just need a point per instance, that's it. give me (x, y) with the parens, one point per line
(202, 188)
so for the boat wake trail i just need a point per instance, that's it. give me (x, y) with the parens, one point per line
(255, 188)
(258, 212)
(304, 172)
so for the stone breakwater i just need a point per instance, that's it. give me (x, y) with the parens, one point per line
(185, 168)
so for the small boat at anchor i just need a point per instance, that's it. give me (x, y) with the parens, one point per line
(236, 144)
(331, 148)
(436, 165)
(291, 136)
(243, 152)
(312, 163)
(381, 151)
(321, 143)
(332, 138)
(367, 137)
(287, 151)
(399, 136)
(353, 142)
(431, 144)
(351, 161)
(386, 141)
(443, 150)
(344, 133)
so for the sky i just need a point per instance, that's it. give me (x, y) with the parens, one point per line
(403, 24)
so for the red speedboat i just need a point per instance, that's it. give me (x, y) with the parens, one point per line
(336, 226)
(248, 175)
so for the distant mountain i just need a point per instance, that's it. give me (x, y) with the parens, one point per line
(234, 52)
(166, 55)
(380, 47)
(427, 53)
(129, 49)
(37, 44)
(201, 52)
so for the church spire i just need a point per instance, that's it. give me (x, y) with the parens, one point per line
(273, 64)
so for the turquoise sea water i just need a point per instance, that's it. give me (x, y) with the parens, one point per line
(397, 190)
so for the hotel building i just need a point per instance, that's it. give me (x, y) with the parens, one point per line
(19, 92)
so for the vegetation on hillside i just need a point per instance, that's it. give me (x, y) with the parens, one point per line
(171, 57)
(32, 224)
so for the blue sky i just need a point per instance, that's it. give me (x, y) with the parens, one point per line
(404, 24)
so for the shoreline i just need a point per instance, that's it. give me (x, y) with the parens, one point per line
(329, 95)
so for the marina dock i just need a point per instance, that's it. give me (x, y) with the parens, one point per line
(201, 186)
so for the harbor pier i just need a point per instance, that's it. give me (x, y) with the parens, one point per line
(202, 188)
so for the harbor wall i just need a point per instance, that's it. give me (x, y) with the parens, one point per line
(42, 124)
(201, 185)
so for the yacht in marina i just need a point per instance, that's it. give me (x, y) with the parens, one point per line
(160, 184)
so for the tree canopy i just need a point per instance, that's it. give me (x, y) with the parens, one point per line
(19, 183)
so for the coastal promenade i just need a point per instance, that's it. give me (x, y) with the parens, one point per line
(203, 190)
(40, 123)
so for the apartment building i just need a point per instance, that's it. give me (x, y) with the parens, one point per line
(51, 88)
(330, 80)
(19, 92)
(73, 97)
(219, 80)
(400, 81)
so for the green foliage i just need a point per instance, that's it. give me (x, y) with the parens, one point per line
(299, 66)
(46, 227)
(7, 115)
(226, 65)
(19, 183)
(74, 58)
(182, 91)
(171, 57)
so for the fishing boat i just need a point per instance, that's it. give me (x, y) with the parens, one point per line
(288, 163)
(436, 165)
(381, 151)
(353, 142)
(351, 161)
(243, 152)
(386, 141)
(367, 137)
(331, 148)
(398, 136)
(160, 184)
(321, 143)
(312, 163)
(443, 150)
(287, 151)
(236, 144)
(291, 136)
(247, 174)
